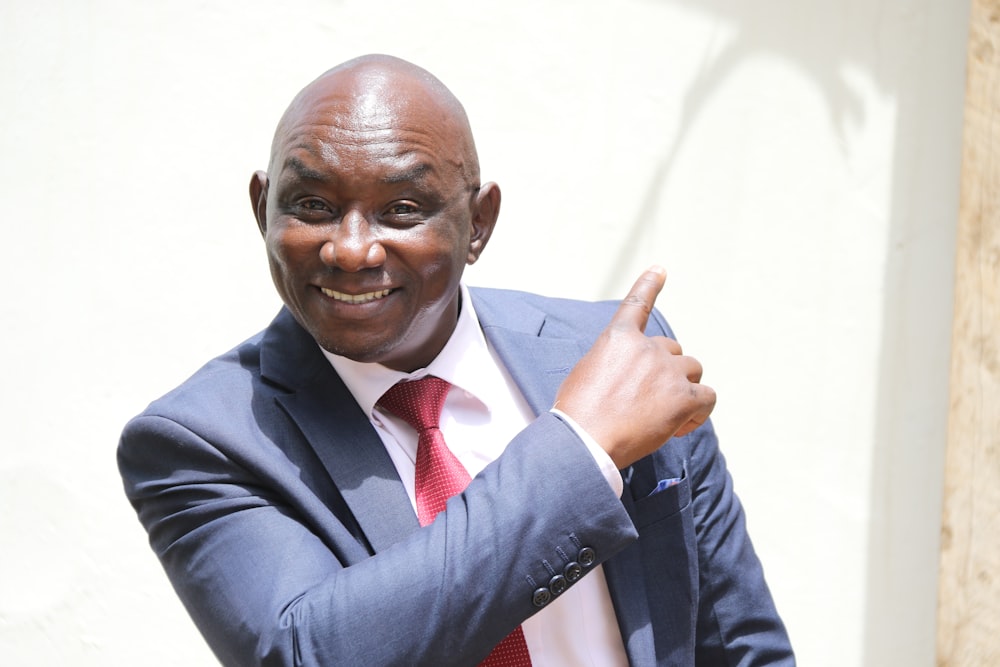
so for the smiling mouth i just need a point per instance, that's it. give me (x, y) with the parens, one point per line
(367, 297)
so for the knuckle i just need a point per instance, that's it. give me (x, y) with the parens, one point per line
(634, 299)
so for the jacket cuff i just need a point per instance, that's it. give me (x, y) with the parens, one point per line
(601, 457)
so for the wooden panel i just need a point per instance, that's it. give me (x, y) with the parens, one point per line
(969, 588)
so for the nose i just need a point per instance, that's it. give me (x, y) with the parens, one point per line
(352, 246)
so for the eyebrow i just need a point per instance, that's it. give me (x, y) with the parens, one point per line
(413, 174)
(302, 171)
(308, 173)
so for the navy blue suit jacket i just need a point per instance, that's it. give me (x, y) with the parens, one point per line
(285, 530)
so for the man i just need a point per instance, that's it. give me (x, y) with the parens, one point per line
(282, 489)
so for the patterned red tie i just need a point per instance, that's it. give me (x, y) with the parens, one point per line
(439, 476)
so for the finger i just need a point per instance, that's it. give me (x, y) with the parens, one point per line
(707, 397)
(635, 308)
(672, 345)
(693, 370)
(692, 425)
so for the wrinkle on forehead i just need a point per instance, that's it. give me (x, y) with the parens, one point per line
(373, 95)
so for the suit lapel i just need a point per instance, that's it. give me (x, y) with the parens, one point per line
(338, 431)
(537, 364)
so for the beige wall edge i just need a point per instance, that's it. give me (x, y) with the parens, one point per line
(969, 586)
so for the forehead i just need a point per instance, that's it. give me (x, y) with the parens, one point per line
(369, 126)
(325, 151)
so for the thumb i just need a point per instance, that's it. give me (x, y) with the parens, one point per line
(633, 313)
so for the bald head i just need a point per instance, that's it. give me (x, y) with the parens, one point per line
(377, 93)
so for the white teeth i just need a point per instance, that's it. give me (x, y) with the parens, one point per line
(355, 298)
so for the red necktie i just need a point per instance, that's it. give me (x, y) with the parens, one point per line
(439, 476)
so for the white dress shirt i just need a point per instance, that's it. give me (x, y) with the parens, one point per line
(483, 412)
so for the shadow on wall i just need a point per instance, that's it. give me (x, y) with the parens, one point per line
(798, 33)
(907, 49)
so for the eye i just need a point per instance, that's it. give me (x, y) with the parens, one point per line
(401, 208)
(312, 209)
(314, 205)
(404, 213)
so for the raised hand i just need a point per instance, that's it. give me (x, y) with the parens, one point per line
(632, 392)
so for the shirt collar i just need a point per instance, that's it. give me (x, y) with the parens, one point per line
(462, 362)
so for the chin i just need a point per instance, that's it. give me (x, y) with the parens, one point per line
(368, 352)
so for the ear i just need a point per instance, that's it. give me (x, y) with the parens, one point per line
(485, 211)
(258, 199)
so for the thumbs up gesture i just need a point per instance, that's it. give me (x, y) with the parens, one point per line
(632, 392)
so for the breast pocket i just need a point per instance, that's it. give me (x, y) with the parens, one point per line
(663, 503)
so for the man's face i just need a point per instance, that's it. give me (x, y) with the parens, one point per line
(369, 219)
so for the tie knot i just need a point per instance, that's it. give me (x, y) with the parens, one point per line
(418, 402)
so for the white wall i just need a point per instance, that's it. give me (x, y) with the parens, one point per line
(793, 163)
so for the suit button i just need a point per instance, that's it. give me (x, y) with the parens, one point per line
(587, 556)
(541, 597)
(573, 571)
(557, 584)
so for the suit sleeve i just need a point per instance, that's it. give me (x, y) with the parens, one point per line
(265, 588)
(737, 623)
